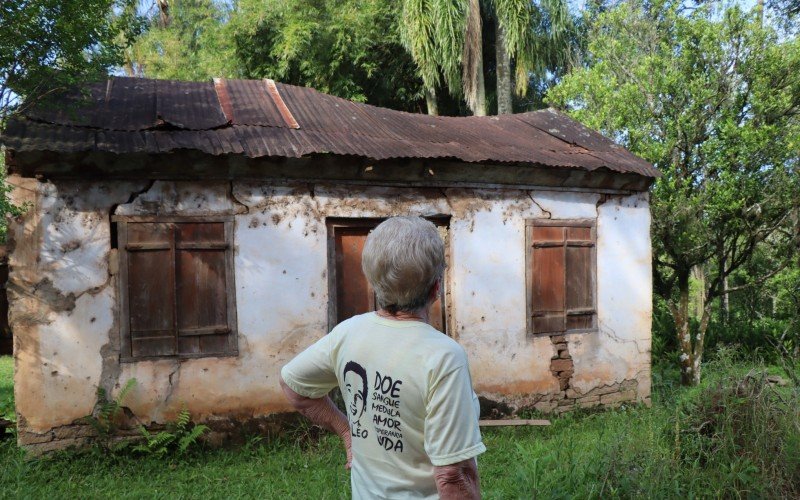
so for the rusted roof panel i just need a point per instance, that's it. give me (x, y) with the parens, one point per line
(257, 118)
(252, 104)
(188, 105)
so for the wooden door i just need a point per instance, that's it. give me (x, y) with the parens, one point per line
(353, 293)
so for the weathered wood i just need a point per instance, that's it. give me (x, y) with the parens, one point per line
(176, 285)
(517, 422)
(561, 275)
(349, 290)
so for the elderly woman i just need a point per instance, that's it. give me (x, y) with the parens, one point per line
(411, 429)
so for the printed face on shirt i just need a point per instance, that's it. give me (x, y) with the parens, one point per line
(355, 390)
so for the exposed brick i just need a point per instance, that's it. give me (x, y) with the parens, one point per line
(42, 448)
(563, 383)
(564, 355)
(558, 339)
(599, 391)
(545, 406)
(617, 397)
(74, 431)
(26, 438)
(558, 365)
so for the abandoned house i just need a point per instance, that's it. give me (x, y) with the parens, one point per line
(196, 236)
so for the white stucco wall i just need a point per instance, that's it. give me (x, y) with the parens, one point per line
(64, 293)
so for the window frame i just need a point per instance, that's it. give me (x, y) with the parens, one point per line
(120, 223)
(529, 245)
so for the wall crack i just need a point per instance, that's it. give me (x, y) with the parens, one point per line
(547, 213)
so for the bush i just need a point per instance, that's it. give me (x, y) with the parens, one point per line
(742, 429)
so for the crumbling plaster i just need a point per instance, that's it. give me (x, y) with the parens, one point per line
(64, 293)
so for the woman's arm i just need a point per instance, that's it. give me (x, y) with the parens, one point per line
(324, 413)
(458, 480)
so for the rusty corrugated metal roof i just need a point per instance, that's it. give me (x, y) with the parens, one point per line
(261, 118)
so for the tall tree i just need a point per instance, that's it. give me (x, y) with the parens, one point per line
(350, 48)
(433, 33)
(472, 61)
(185, 40)
(50, 45)
(532, 39)
(712, 99)
(445, 37)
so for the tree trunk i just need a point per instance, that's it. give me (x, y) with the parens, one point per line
(680, 315)
(503, 71)
(726, 301)
(472, 61)
(480, 101)
(432, 102)
(698, 301)
(700, 342)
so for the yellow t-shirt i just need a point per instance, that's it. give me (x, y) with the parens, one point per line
(408, 396)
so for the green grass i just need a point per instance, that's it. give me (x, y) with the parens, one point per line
(7, 388)
(630, 452)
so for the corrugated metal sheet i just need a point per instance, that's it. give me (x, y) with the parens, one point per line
(257, 118)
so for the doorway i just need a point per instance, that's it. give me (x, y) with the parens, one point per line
(350, 293)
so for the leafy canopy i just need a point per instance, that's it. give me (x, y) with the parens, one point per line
(712, 99)
(190, 41)
(50, 45)
(346, 48)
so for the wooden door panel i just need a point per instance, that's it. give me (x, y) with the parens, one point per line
(353, 294)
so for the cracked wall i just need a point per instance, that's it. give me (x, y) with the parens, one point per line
(64, 295)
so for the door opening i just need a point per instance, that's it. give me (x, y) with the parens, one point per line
(350, 293)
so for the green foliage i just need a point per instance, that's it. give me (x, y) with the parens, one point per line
(626, 453)
(177, 437)
(49, 45)
(538, 38)
(7, 388)
(711, 98)
(6, 207)
(346, 48)
(749, 423)
(195, 44)
(107, 411)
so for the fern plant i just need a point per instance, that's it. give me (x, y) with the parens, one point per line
(106, 412)
(177, 437)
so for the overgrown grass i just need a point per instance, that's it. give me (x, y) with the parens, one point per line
(7, 388)
(667, 451)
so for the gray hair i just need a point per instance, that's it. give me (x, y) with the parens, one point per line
(402, 260)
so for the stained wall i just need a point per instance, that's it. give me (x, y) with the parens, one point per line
(64, 309)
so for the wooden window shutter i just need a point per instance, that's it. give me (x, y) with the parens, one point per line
(151, 289)
(561, 276)
(201, 288)
(176, 283)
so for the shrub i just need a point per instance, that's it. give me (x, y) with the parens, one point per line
(743, 430)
